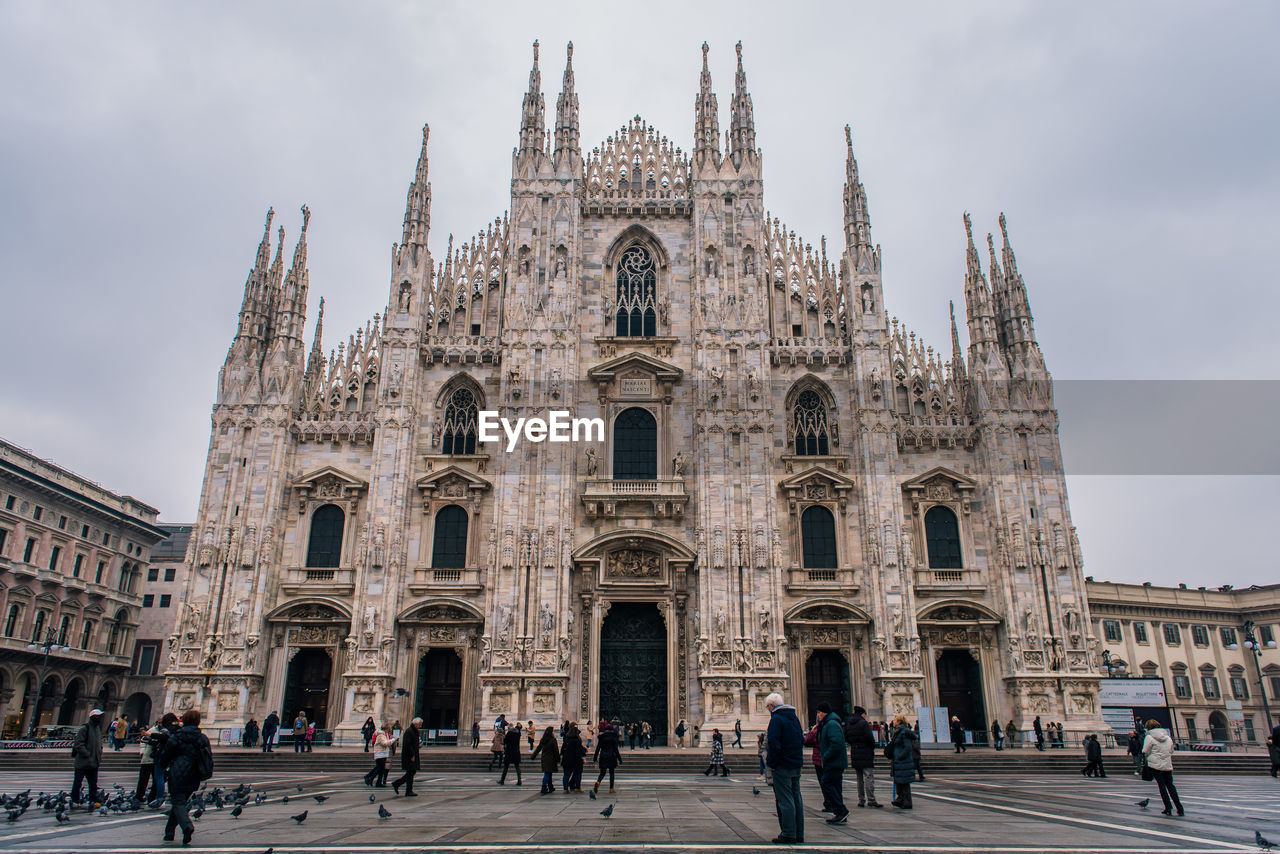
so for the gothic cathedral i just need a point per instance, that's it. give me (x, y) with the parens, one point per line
(792, 492)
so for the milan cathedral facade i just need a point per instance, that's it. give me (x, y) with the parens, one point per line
(792, 493)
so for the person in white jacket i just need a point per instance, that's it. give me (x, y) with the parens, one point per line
(1157, 752)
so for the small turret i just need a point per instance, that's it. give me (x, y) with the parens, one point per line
(568, 152)
(417, 208)
(250, 332)
(533, 125)
(706, 124)
(742, 122)
(291, 309)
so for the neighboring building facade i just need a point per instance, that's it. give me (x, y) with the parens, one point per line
(1195, 640)
(73, 557)
(792, 492)
(161, 605)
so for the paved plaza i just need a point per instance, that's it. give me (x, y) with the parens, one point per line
(468, 812)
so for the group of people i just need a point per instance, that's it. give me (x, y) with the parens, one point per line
(175, 756)
(566, 755)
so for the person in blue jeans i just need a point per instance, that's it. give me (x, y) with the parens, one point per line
(785, 758)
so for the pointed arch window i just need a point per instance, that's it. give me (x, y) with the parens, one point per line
(449, 544)
(635, 445)
(324, 548)
(461, 415)
(637, 306)
(942, 532)
(818, 538)
(809, 425)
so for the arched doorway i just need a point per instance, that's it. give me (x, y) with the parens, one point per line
(439, 694)
(1218, 730)
(67, 712)
(633, 666)
(138, 707)
(47, 711)
(307, 687)
(960, 688)
(826, 676)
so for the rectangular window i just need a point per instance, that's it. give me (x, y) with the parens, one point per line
(62, 523)
(1111, 630)
(4, 538)
(8, 503)
(86, 635)
(1228, 635)
(1200, 635)
(145, 656)
(102, 568)
(1140, 632)
(165, 600)
(796, 331)
(169, 573)
(475, 329)
(1192, 735)
(1266, 635)
(84, 531)
(30, 551)
(1275, 686)
(1182, 687)
(54, 554)
(1172, 635)
(153, 573)
(106, 538)
(77, 566)
(37, 513)
(1249, 733)
(64, 629)
(148, 600)
(1239, 688)
(1209, 684)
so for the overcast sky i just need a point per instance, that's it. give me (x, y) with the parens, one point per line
(1132, 145)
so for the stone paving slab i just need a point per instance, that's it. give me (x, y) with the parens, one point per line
(470, 813)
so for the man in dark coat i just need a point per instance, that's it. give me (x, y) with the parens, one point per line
(511, 754)
(410, 758)
(957, 734)
(785, 757)
(86, 752)
(997, 736)
(1039, 731)
(1093, 758)
(831, 747)
(367, 732)
(862, 756)
(269, 727)
(188, 762)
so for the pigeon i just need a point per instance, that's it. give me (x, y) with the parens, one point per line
(61, 817)
(14, 815)
(1262, 841)
(383, 812)
(755, 790)
(198, 812)
(235, 813)
(284, 799)
(1143, 803)
(373, 799)
(320, 798)
(300, 817)
(299, 787)
(591, 794)
(607, 811)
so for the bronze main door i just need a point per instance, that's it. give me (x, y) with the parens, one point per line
(633, 666)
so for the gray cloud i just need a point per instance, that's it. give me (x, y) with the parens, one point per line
(1132, 146)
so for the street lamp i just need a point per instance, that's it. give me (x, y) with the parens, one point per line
(48, 645)
(1116, 668)
(1252, 644)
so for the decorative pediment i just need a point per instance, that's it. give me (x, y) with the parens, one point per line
(940, 484)
(958, 611)
(634, 540)
(826, 611)
(451, 482)
(310, 611)
(636, 367)
(327, 484)
(21, 590)
(47, 599)
(451, 611)
(93, 609)
(816, 483)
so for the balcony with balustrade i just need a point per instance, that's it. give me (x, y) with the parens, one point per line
(299, 581)
(843, 581)
(662, 497)
(428, 581)
(948, 582)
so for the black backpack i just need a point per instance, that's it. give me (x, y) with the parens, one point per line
(204, 760)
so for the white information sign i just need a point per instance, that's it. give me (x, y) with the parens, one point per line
(1130, 693)
(925, 716)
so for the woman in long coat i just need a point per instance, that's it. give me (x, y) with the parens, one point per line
(717, 756)
(549, 750)
(572, 754)
(901, 753)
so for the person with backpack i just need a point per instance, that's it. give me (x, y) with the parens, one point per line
(862, 756)
(86, 751)
(269, 727)
(511, 754)
(608, 754)
(188, 762)
(831, 747)
(368, 731)
(681, 729)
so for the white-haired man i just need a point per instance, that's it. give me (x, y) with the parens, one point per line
(410, 760)
(785, 758)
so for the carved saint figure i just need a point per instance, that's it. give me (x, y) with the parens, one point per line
(593, 462)
(367, 626)
(765, 618)
(677, 464)
(722, 631)
(236, 624)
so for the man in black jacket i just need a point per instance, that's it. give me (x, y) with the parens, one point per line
(785, 757)
(410, 759)
(86, 752)
(1093, 757)
(269, 727)
(511, 754)
(188, 761)
(862, 756)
